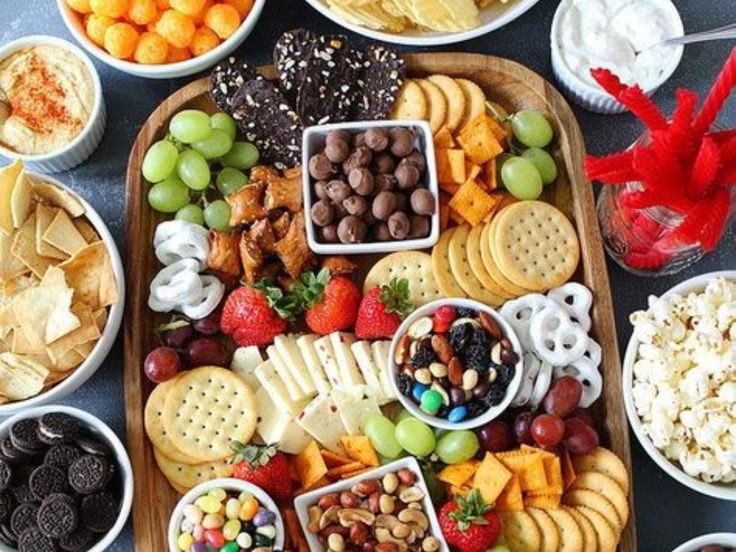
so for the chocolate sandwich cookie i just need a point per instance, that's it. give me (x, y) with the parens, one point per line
(291, 56)
(6, 474)
(89, 474)
(23, 517)
(58, 427)
(24, 436)
(7, 537)
(225, 79)
(6, 506)
(57, 516)
(80, 540)
(383, 75)
(91, 445)
(33, 540)
(99, 512)
(46, 480)
(62, 456)
(10, 452)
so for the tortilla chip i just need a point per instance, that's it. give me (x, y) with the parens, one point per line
(44, 216)
(87, 331)
(21, 201)
(85, 349)
(89, 273)
(529, 466)
(345, 468)
(10, 266)
(458, 474)
(85, 228)
(20, 377)
(44, 313)
(333, 460)
(8, 177)
(510, 499)
(100, 318)
(450, 166)
(309, 465)
(360, 449)
(53, 195)
(56, 376)
(491, 478)
(472, 202)
(63, 235)
(24, 248)
(22, 345)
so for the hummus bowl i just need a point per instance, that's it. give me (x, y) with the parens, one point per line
(76, 147)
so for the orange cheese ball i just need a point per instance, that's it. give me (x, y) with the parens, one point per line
(151, 26)
(79, 6)
(178, 54)
(96, 26)
(152, 49)
(110, 8)
(162, 5)
(223, 19)
(204, 41)
(243, 6)
(199, 17)
(121, 40)
(142, 12)
(177, 28)
(188, 7)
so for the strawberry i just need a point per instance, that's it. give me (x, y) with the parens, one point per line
(468, 525)
(330, 302)
(264, 466)
(382, 310)
(255, 314)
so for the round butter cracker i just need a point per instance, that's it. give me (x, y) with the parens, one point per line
(185, 476)
(606, 486)
(475, 100)
(436, 104)
(455, 100)
(415, 266)
(590, 540)
(463, 273)
(571, 536)
(597, 502)
(548, 529)
(604, 461)
(490, 263)
(521, 532)
(607, 539)
(477, 266)
(441, 266)
(411, 103)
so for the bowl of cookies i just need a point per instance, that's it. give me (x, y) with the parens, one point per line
(63, 287)
(67, 481)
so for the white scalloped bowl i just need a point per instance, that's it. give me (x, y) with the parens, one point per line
(719, 539)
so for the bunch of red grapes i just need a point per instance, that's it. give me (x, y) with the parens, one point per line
(561, 424)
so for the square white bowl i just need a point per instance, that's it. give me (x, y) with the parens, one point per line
(303, 502)
(314, 139)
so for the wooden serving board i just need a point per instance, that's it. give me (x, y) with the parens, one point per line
(510, 84)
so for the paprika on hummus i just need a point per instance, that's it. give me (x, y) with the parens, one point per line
(46, 98)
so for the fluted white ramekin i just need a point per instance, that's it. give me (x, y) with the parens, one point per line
(86, 142)
(594, 98)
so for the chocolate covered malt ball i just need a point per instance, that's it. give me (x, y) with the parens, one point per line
(402, 141)
(359, 139)
(337, 190)
(323, 213)
(384, 183)
(320, 189)
(320, 167)
(351, 230)
(337, 151)
(340, 210)
(356, 205)
(376, 138)
(402, 201)
(407, 175)
(341, 135)
(418, 159)
(419, 227)
(422, 202)
(383, 205)
(383, 163)
(399, 225)
(368, 217)
(361, 180)
(328, 234)
(359, 158)
(381, 232)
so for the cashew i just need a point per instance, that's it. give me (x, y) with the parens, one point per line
(348, 516)
(410, 515)
(415, 505)
(315, 513)
(401, 531)
(386, 521)
(383, 535)
(329, 516)
(411, 494)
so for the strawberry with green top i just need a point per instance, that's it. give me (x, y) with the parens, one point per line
(264, 466)
(468, 524)
(330, 302)
(382, 310)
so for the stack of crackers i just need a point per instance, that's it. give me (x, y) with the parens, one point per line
(550, 503)
(56, 282)
(193, 419)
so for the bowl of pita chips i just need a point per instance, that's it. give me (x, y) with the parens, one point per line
(61, 290)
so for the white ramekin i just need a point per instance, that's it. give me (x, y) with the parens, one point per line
(86, 142)
(228, 484)
(114, 318)
(594, 98)
(103, 432)
(723, 491)
(185, 68)
(719, 539)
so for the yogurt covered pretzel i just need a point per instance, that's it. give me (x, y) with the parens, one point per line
(175, 240)
(555, 338)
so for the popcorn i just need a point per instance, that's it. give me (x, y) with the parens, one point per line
(684, 387)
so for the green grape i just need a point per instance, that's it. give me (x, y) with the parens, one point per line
(230, 180)
(521, 178)
(531, 128)
(160, 161)
(403, 415)
(544, 163)
(217, 144)
(193, 170)
(243, 155)
(382, 433)
(217, 215)
(415, 437)
(457, 446)
(223, 121)
(191, 213)
(190, 126)
(168, 196)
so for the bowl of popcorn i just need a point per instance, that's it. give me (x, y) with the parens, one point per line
(160, 39)
(680, 382)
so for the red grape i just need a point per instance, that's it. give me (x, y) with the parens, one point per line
(563, 397)
(579, 437)
(161, 364)
(523, 428)
(496, 436)
(210, 324)
(547, 430)
(584, 415)
(206, 351)
(178, 337)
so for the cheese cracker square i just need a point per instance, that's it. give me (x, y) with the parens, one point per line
(458, 474)
(472, 202)
(450, 165)
(491, 478)
(529, 466)
(510, 499)
(309, 465)
(479, 142)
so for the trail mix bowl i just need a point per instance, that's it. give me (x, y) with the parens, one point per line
(455, 364)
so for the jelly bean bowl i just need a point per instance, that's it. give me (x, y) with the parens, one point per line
(465, 422)
(229, 485)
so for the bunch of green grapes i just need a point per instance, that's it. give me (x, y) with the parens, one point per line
(180, 167)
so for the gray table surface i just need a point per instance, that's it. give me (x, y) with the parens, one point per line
(667, 513)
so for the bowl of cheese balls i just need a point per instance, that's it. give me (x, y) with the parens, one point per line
(160, 39)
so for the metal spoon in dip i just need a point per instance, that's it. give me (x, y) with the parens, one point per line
(721, 33)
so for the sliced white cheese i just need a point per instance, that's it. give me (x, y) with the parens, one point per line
(321, 420)
(326, 355)
(268, 378)
(364, 357)
(380, 351)
(355, 407)
(306, 347)
(349, 372)
(244, 363)
(274, 427)
(279, 364)
(286, 346)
